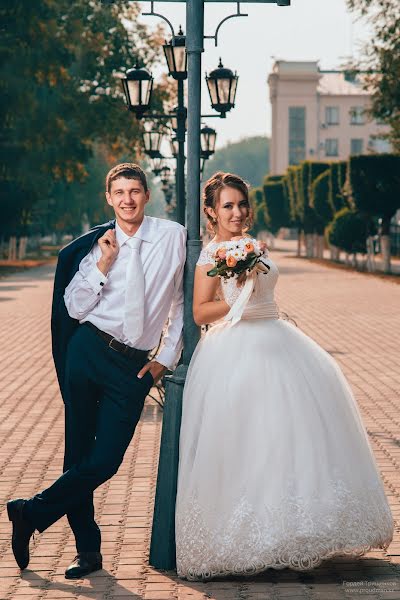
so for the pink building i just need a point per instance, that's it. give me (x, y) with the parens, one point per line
(319, 115)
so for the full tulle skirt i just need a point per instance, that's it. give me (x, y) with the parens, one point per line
(275, 467)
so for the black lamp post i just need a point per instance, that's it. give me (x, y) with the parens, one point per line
(137, 85)
(175, 54)
(222, 85)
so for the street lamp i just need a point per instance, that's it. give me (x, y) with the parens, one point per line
(165, 176)
(178, 112)
(208, 137)
(137, 85)
(222, 84)
(157, 164)
(152, 143)
(175, 54)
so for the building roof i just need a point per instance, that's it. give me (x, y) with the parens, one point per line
(335, 83)
(329, 82)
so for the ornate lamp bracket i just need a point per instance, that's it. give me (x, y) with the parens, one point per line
(154, 14)
(237, 14)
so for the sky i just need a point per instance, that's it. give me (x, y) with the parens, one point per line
(321, 30)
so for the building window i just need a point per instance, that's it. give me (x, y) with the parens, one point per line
(332, 115)
(357, 116)
(297, 134)
(356, 146)
(379, 145)
(332, 147)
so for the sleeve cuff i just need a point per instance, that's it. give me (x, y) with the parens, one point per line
(167, 357)
(96, 279)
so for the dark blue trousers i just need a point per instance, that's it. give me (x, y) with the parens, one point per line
(103, 403)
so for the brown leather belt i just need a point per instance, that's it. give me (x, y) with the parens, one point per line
(113, 343)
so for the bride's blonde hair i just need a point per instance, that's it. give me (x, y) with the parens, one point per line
(211, 193)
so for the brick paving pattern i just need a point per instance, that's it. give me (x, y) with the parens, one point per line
(354, 317)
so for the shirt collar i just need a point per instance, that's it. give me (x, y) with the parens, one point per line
(143, 232)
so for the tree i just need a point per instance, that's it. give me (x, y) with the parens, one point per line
(60, 95)
(277, 203)
(248, 158)
(348, 231)
(319, 201)
(375, 191)
(308, 172)
(337, 179)
(291, 184)
(382, 60)
(260, 213)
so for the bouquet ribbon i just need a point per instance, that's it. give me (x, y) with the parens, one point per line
(237, 308)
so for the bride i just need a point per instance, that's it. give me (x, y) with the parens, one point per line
(275, 466)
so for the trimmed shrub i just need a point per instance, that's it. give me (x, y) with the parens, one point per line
(277, 205)
(348, 231)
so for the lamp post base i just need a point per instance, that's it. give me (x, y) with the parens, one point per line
(162, 548)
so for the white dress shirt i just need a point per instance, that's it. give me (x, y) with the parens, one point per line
(100, 299)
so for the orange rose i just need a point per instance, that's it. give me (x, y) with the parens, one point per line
(221, 253)
(231, 261)
(249, 247)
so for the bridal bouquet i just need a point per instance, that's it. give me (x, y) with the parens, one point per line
(235, 257)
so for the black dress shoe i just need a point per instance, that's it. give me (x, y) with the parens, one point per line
(83, 564)
(21, 533)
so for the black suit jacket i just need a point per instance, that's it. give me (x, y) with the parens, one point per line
(62, 325)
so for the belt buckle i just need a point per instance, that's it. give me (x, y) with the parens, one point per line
(111, 346)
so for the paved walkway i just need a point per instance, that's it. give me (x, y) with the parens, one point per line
(354, 317)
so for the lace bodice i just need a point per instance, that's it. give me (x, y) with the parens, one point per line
(264, 285)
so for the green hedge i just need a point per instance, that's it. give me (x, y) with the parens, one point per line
(349, 231)
(320, 200)
(375, 185)
(337, 179)
(277, 204)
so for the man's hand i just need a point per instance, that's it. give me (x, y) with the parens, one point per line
(156, 369)
(109, 250)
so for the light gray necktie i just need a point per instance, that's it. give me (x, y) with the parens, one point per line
(134, 295)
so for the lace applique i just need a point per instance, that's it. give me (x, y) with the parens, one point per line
(205, 257)
(230, 290)
(298, 534)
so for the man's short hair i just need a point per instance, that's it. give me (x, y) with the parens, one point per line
(127, 170)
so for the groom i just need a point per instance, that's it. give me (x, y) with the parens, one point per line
(114, 289)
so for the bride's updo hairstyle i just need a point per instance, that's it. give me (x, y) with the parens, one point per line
(211, 193)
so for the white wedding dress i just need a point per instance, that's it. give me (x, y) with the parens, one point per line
(275, 466)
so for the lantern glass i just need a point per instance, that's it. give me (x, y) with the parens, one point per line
(233, 90)
(180, 59)
(224, 88)
(213, 89)
(152, 141)
(146, 92)
(134, 92)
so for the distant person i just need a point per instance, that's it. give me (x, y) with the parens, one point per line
(115, 287)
